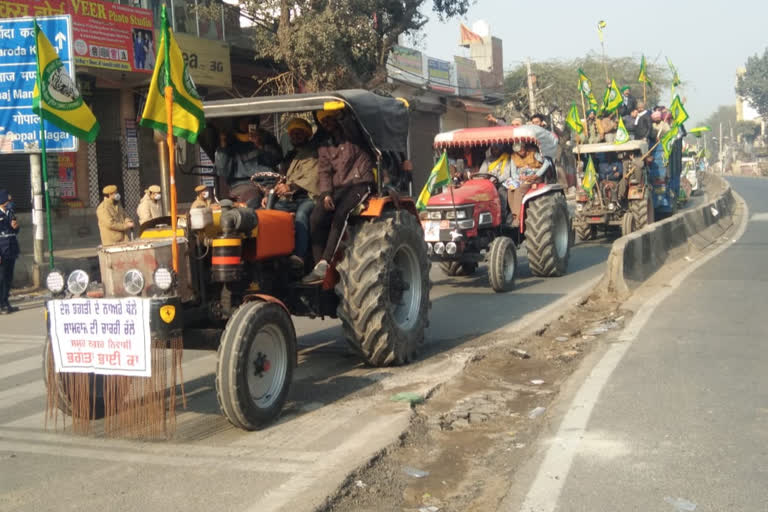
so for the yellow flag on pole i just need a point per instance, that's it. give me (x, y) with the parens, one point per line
(56, 98)
(188, 118)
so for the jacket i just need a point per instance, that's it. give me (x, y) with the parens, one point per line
(241, 160)
(112, 222)
(9, 245)
(148, 209)
(302, 171)
(342, 165)
(643, 125)
(628, 104)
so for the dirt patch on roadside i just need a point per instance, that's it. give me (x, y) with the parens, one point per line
(467, 440)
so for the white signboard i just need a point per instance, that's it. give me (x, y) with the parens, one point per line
(105, 336)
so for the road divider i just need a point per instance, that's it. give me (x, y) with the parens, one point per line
(636, 257)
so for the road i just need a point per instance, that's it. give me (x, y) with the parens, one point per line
(328, 427)
(680, 406)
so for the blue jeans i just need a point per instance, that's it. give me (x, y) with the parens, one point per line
(303, 209)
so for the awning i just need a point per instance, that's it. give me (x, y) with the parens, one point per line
(472, 137)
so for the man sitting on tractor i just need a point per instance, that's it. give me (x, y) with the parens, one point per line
(296, 193)
(345, 172)
(610, 171)
(499, 164)
(531, 167)
(248, 151)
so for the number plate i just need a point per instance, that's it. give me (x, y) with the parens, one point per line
(432, 231)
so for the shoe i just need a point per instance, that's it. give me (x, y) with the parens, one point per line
(10, 309)
(4, 311)
(318, 273)
(296, 262)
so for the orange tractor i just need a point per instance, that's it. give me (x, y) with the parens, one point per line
(236, 289)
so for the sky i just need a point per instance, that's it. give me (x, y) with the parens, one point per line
(706, 41)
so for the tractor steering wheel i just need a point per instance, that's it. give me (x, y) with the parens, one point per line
(487, 176)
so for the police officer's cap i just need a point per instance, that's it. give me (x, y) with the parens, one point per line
(201, 188)
(109, 189)
(155, 189)
(3, 196)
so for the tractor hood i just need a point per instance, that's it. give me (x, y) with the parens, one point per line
(471, 192)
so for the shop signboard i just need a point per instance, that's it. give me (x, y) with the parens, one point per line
(467, 77)
(439, 74)
(67, 187)
(19, 126)
(405, 64)
(106, 35)
(207, 61)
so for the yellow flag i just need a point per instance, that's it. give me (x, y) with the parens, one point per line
(56, 98)
(188, 118)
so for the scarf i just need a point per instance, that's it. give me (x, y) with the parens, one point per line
(500, 163)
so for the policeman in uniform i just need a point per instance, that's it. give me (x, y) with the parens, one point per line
(203, 199)
(114, 223)
(9, 251)
(149, 206)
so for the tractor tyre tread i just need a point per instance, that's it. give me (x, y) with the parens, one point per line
(540, 216)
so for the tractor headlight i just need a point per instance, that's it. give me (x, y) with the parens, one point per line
(579, 207)
(133, 282)
(55, 282)
(77, 282)
(434, 215)
(163, 278)
(456, 214)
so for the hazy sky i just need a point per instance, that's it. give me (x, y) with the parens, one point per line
(706, 40)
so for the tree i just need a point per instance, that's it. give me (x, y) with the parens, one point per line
(725, 117)
(753, 83)
(556, 82)
(332, 44)
(746, 131)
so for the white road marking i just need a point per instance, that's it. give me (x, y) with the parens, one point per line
(544, 493)
(15, 395)
(22, 365)
(759, 217)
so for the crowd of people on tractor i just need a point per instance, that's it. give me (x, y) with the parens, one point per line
(327, 172)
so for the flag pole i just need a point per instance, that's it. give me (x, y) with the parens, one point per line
(44, 161)
(172, 173)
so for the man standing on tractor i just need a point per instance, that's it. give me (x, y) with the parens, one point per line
(114, 223)
(345, 172)
(296, 193)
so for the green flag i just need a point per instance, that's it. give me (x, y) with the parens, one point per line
(643, 76)
(573, 120)
(590, 177)
(585, 86)
(622, 135)
(679, 115)
(612, 98)
(699, 130)
(668, 140)
(439, 177)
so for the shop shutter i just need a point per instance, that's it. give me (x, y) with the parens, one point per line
(14, 177)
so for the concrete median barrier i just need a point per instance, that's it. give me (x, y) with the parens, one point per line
(634, 258)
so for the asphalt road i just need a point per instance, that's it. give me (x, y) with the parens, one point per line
(681, 423)
(210, 465)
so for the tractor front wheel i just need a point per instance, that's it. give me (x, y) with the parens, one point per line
(502, 264)
(257, 356)
(384, 289)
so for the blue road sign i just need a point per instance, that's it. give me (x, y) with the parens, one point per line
(19, 126)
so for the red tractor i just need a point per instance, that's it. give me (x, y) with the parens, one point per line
(464, 224)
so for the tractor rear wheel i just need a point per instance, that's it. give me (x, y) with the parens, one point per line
(457, 268)
(585, 232)
(384, 289)
(63, 393)
(502, 264)
(547, 235)
(257, 355)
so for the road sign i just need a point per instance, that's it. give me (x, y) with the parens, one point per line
(19, 126)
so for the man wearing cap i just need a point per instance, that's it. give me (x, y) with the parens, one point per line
(149, 206)
(297, 191)
(345, 177)
(9, 251)
(203, 198)
(628, 103)
(114, 224)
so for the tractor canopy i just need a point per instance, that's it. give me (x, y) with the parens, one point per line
(542, 138)
(383, 120)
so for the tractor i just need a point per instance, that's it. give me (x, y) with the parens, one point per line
(236, 290)
(465, 225)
